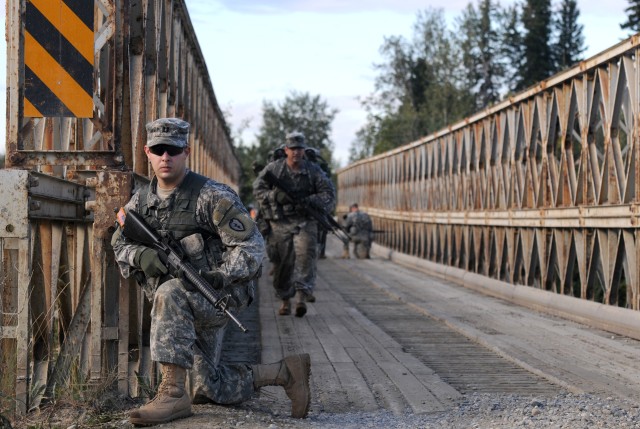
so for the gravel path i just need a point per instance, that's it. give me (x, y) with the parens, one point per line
(481, 411)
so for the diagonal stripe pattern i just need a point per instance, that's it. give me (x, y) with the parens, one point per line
(58, 56)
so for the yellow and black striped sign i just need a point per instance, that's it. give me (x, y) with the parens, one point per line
(58, 58)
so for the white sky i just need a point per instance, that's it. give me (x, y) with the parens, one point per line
(262, 50)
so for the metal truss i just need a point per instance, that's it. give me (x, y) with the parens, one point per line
(539, 190)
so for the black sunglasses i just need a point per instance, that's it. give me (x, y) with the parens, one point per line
(160, 149)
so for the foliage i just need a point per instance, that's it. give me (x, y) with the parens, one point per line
(481, 31)
(418, 90)
(570, 44)
(538, 54)
(247, 156)
(512, 47)
(633, 17)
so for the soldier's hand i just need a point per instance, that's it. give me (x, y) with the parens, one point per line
(282, 197)
(214, 278)
(149, 262)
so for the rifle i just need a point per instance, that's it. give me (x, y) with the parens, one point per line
(137, 229)
(323, 218)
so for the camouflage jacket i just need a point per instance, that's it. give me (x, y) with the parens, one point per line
(310, 183)
(218, 209)
(358, 222)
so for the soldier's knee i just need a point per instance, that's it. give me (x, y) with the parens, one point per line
(169, 289)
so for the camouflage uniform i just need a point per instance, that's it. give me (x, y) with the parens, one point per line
(186, 330)
(293, 237)
(360, 229)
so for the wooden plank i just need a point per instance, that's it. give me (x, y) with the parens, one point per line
(419, 398)
(23, 331)
(97, 258)
(387, 393)
(327, 389)
(330, 344)
(360, 397)
(310, 342)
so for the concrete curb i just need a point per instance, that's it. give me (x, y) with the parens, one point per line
(609, 318)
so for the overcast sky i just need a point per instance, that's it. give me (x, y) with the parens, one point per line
(263, 50)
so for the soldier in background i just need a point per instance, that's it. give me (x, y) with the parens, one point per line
(360, 228)
(293, 233)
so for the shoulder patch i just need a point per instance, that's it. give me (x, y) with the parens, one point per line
(232, 220)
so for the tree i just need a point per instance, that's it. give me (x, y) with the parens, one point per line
(570, 46)
(633, 17)
(481, 43)
(418, 89)
(538, 54)
(513, 47)
(246, 155)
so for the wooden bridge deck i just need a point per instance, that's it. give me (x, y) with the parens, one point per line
(385, 337)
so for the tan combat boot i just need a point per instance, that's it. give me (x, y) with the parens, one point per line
(345, 254)
(285, 308)
(292, 373)
(301, 307)
(172, 401)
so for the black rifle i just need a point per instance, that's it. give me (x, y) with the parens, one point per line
(324, 219)
(137, 229)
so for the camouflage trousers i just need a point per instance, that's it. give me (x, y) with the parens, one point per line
(292, 249)
(186, 330)
(361, 245)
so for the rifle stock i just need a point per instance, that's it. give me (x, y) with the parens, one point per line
(323, 218)
(137, 229)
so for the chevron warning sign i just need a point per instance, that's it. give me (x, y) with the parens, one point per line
(58, 58)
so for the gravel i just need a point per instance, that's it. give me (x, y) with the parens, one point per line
(475, 411)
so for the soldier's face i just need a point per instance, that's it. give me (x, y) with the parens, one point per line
(168, 167)
(294, 155)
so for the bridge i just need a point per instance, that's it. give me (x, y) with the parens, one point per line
(533, 200)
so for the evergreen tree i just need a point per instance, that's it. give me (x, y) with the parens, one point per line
(570, 44)
(481, 52)
(538, 53)
(633, 17)
(513, 47)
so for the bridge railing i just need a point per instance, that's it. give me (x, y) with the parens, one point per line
(540, 189)
(82, 84)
